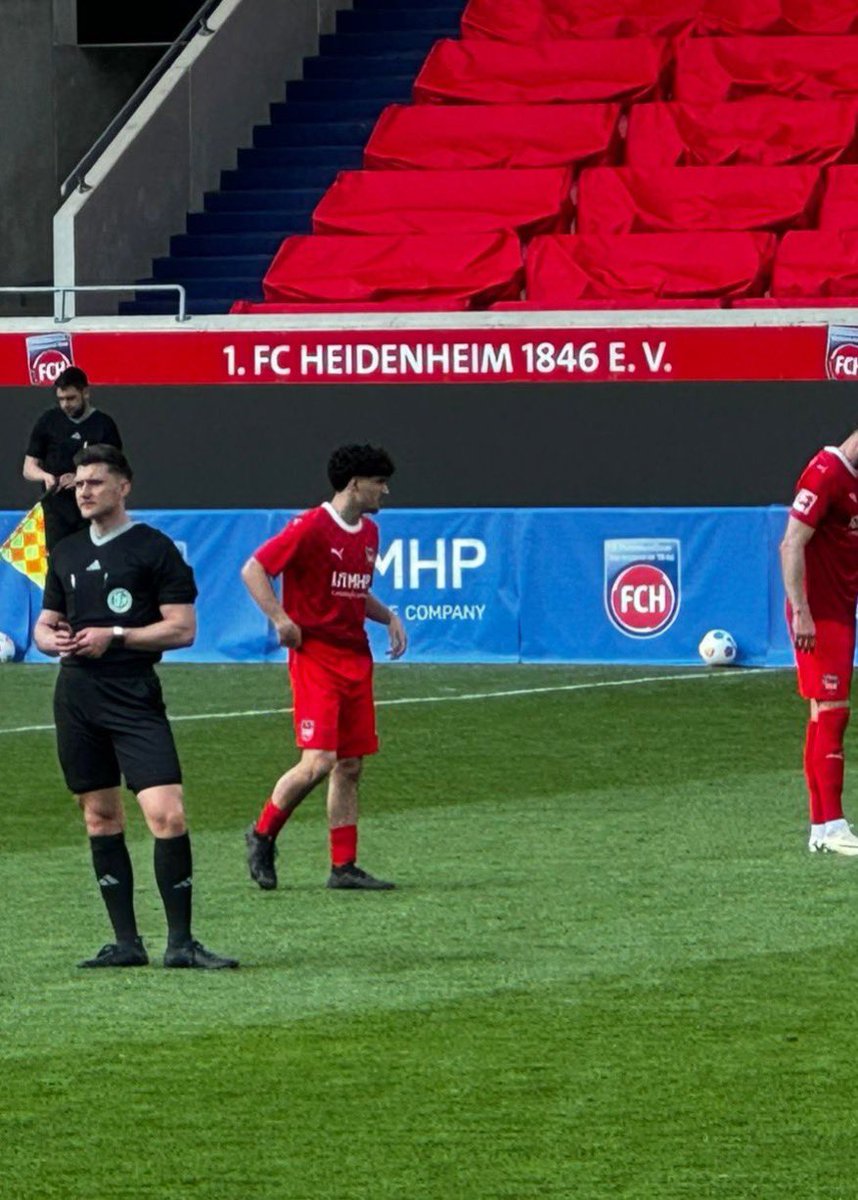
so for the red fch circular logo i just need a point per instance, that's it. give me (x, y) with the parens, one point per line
(843, 362)
(643, 599)
(47, 366)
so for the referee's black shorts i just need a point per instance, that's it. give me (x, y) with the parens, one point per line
(113, 726)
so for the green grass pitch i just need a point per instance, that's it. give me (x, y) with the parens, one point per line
(611, 968)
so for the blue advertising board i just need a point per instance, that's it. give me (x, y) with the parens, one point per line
(502, 585)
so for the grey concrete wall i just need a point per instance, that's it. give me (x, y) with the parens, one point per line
(180, 140)
(27, 161)
(55, 99)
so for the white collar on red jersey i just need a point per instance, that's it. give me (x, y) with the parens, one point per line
(332, 512)
(835, 450)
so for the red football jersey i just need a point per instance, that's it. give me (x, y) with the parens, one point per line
(327, 569)
(827, 499)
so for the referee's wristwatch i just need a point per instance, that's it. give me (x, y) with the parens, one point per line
(118, 635)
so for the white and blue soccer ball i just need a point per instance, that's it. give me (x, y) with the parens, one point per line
(7, 648)
(718, 648)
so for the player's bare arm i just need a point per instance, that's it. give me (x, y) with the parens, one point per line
(376, 611)
(795, 539)
(36, 474)
(177, 628)
(52, 633)
(258, 583)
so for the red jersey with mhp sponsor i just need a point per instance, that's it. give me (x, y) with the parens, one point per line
(827, 499)
(327, 568)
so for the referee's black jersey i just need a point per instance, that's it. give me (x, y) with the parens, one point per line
(56, 438)
(122, 579)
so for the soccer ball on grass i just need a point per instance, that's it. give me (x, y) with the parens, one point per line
(718, 648)
(7, 648)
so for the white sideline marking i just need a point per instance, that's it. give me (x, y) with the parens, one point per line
(560, 687)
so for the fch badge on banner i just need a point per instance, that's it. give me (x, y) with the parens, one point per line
(642, 584)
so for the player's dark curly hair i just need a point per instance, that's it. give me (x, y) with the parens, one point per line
(98, 452)
(349, 462)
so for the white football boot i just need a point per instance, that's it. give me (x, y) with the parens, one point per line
(838, 839)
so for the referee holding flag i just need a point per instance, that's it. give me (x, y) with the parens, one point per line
(117, 594)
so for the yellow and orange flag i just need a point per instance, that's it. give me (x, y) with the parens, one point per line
(24, 548)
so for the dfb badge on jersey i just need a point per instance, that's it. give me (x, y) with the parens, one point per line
(642, 584)
(841, 358)
(48, 355)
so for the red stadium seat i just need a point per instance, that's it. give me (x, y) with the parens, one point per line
(553, 72)
(476, 268)
(817, 263)
(762, 130)
(447, 137)
(648, 265)
(805, 68)
(735, 17)
(839, 209)
(434, 201)
(542, 20)
(423, 304)
(665, 199)
(648, 302)
(796, 302)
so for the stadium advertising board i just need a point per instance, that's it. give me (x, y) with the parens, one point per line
(441, 355)
(503, 585)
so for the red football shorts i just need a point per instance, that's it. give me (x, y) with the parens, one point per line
(825, 673)
(332, 695)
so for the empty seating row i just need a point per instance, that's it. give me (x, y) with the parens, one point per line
(473, 270)
(662, 199)
(558, 72)
(762, 130)
(609, 200)
(530, 202)
(536, 20)
(481, 136)
(629, 70)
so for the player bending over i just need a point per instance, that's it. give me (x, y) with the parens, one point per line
(326, 557)
(819, 559)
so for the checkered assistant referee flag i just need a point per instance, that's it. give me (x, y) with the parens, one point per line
(24, 548)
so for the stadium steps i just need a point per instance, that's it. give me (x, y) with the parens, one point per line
(317, 130)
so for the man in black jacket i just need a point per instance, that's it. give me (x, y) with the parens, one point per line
(56, 438)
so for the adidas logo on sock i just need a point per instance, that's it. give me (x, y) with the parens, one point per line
(184, 883)
(107, 881)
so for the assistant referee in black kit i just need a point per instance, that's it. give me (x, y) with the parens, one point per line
(116, 595)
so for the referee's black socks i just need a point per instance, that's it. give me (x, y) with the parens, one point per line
(173, 873)
(116, 879)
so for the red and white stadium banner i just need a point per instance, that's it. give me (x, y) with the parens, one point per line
(499, 355)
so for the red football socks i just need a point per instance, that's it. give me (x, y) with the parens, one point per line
(828, 761)
(343, 845)
(815, 804)
(271, 820)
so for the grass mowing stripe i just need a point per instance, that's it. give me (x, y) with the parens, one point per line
(539, 691)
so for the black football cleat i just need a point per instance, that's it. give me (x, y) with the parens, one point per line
(120, 954)
(351, 877)
(194, 954)
(261, 852)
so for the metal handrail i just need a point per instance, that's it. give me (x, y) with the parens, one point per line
(197, 24)
(63, 290)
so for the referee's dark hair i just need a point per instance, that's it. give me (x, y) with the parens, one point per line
(112, 458)
(349, 462)
(72, 377)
